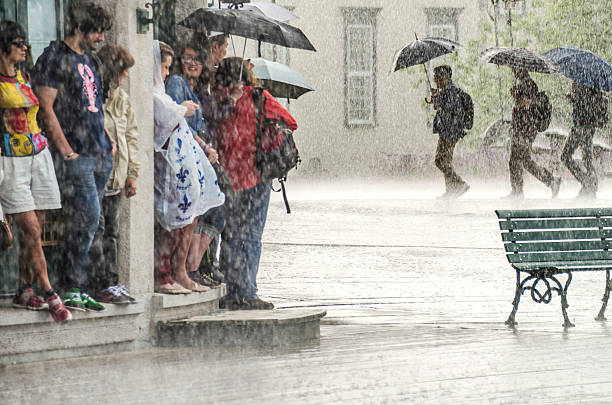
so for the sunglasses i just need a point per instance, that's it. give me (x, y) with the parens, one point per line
(192, 60)
(20, 44)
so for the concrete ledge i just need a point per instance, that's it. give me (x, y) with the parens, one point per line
(180, 300)
(10, 316)
(277, 327)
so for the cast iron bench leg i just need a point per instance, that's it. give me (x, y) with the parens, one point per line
(606, 296)
(564, 304)
(517, 298)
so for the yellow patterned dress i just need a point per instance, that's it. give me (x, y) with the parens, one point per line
(21, 135)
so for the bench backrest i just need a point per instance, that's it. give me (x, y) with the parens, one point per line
(557, 235)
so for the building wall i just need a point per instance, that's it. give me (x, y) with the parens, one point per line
(401, 124)
(136, 239)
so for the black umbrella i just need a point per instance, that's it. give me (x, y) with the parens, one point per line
(520, 58)
(423, 50)
(248, 25)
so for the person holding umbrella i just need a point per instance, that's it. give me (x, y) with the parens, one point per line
(591, 75)
(522, 136)
(585, 116)
(446, 100)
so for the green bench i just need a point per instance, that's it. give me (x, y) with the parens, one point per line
(542, 244)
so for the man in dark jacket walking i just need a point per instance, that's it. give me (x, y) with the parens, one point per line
(522, 136)
(448, 124)
(585, 101)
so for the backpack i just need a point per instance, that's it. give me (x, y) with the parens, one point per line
(600, 110)
(467, 110)
(541, 111)
(275, 150)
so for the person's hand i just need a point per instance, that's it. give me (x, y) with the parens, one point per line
(191, 107)
(237, 91)
(114, 149)
(130, 187)
(212, 155)
(433, 91)
(71, 156)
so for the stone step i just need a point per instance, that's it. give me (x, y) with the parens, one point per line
(257, 327)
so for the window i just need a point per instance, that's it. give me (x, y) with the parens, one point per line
(34, 16)
(442, 22)
(360, 66)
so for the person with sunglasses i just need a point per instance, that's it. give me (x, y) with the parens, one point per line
(192, 74)
(30, 186)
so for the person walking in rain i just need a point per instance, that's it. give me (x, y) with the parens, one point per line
(522, 136)
(68, 85)
(585, 115)
(448, 124)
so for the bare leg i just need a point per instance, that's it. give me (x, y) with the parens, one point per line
(31, 250)
(180, 255)
(197, 248)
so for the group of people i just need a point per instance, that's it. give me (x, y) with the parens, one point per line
(448, 124)
(206, 184)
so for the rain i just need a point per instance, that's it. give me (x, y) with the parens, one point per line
(296, 201)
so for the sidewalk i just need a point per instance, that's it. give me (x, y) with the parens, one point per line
(416, 291)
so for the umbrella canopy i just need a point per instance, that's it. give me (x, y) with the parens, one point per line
(279, 79)
(249, 25)
(272, 10)
(582, 66)
(423, 50)
(519, 58)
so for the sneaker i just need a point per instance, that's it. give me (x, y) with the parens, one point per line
(586, 194)
(112, 295)
(256, 303)
(216, 275)
(73, 300)
(554, 187)
(208, 282)
(58, 311)
(515, 195)
(29, 300)
(90, 303)
(124, 291)
(461, 189)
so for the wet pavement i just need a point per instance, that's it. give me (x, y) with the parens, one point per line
(416, 291)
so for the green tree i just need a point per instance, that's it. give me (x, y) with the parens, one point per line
(545, 25)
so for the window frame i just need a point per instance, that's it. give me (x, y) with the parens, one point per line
(360, 18)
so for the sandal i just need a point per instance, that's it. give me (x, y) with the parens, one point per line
(197, 287)
(173, 288)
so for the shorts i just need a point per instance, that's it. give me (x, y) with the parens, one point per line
(211, 223)
(29, 183)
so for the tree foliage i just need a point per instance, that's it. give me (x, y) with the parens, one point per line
(545, 25)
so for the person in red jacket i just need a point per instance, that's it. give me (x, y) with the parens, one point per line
(247, 205)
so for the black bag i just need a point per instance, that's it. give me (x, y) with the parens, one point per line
(467, 110)
(276, 153)
(541, 111)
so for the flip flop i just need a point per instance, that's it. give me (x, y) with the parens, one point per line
(173, 288)
(196, 287)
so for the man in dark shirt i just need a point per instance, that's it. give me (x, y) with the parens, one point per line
(522, 136)
(448, 124)
(583, 100)
(67, 83)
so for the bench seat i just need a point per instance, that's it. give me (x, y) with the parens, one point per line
(542, 244)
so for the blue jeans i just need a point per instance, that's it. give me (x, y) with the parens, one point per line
(82, 182)
(241, 246)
